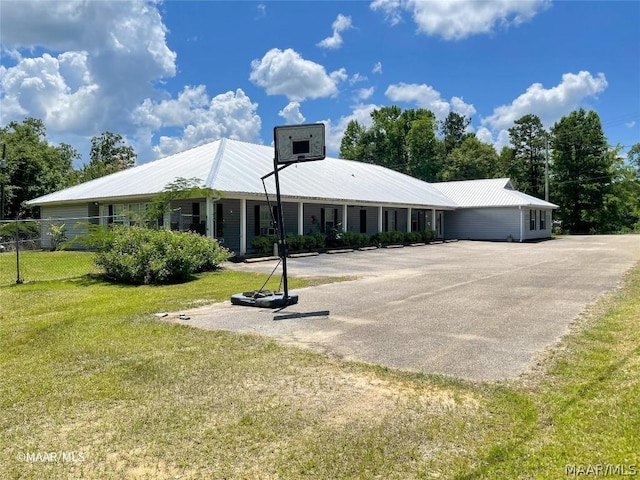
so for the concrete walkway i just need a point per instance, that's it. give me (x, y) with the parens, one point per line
(476, 310)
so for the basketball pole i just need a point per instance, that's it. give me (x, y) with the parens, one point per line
(283, 240)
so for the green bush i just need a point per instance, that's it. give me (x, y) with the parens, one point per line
(412, 237)
(353, 239)
(428, 235)
(144, 256)
(264, 244)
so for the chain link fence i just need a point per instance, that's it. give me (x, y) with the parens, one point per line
(40, 250)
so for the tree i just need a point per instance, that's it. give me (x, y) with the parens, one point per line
(582, 170)
(34, 167)
(109, 154)
(453, 130)
(473, 159)
(401, 140)
(422, 146)
(633, 155)
(529, 143)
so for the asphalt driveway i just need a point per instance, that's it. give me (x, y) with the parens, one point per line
(476, 310)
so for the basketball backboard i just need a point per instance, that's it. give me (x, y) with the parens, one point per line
(299, 143)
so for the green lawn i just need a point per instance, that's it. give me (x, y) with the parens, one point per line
(39, 266)
(89, 372)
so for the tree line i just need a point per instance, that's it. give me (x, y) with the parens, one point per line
(596, 190)
(33, 167)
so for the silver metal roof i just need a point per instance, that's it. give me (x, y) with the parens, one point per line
(235, 167)
(494, 192)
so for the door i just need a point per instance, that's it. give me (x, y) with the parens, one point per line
(439, 224)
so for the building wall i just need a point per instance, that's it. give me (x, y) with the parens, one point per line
(371, 219)
(230, 237)
(74, 218)
(537, 232)
(482, 224)
(494, 224)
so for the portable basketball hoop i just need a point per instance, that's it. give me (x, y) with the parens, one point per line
(292, 144)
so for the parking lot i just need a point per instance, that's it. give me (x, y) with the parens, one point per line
(476, 310)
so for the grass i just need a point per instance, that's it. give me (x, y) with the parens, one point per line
(39, 265)
(87, 370)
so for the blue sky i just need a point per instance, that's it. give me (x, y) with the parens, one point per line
(172, 75)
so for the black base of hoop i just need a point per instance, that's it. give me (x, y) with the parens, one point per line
(264, 299)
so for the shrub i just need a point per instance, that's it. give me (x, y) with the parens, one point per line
(412, 237)
(295, 242)
(264, 244)
(144, 256)
(428, 235)
(353, 239)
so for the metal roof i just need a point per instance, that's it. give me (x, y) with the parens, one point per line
(493, 192)
(235, 167)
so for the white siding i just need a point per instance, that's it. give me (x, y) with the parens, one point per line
(538, 232)
(74, 218)
(483, 224)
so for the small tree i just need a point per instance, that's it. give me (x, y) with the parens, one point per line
(180, 188)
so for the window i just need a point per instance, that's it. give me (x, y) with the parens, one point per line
(264, 222)
(532, 219)
(543, 219)
(126, 213)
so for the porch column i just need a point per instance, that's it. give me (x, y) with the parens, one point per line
(209, 228)
(521, 223)
(409, 219)
(300, 218)
(379, 219)
(433, 219)
(345, 214)
(166, 220)
(243, 226)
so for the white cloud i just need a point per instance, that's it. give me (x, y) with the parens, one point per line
(377, 68)
(630, 124)
(364, 93)
(391, 8)
(458, 19)
(335, 132)
(285, 72)
(549, 104)
(484, 135)
(262, 10)
(357, 78)
(291, 113)
(427, 97)
(59, 90)
(112, 55)
(340, 24)
(230, 114)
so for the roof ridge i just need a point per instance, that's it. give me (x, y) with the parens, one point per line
(217, 161)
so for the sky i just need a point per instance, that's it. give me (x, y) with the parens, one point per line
(172, 75)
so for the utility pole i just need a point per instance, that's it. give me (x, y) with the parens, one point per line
(3, 165)
(546, 170)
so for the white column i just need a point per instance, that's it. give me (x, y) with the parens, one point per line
(243, 226)
(521, 223)
(345, 213)
(166, 220)
(300, 218)
(409, 219)
(380, 219)
(209, 207)
(433, 219)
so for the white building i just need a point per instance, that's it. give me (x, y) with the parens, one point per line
(357, 196)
